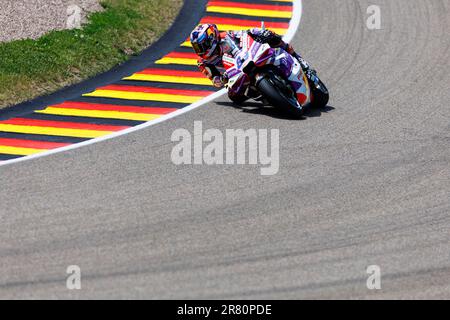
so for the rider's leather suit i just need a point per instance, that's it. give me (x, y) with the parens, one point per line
(230, 43)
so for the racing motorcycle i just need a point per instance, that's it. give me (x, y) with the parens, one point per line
(273, 75)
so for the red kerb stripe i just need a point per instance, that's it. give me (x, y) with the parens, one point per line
(242, 22)
(200, 93)
(112, 107)
(177, 73)
(62, 124)
(249, 5)
(31, 144)
(182, 55)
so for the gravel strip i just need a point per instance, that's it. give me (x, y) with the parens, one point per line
(20, 19)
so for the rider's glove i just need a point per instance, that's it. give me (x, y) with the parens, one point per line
(217, 81)
(266, 36)
(220, 81)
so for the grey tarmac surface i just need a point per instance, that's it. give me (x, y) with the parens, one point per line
(363, 182)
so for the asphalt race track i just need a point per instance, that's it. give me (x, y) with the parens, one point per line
(365, 181)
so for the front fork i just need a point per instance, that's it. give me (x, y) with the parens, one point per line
(310, 73)
(300, 84)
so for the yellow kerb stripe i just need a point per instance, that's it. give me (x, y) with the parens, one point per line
(170, 79)
(19, 151)
(250, 12)
(185, 61)
(50, 131)
(107, 114)
(143, 96)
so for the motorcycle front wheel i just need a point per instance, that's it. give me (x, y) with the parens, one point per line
(320, 94)
(278, 95)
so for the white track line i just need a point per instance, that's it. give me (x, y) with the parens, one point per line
(293, 27)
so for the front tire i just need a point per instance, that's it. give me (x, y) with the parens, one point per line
(320, 94)
(278, 98)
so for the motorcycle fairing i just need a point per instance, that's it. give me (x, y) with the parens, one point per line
(262, 54)
(292, 70)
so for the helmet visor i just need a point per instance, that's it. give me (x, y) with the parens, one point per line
(200, 48)
(203, 43)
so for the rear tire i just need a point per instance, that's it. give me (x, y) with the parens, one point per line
(277, 98)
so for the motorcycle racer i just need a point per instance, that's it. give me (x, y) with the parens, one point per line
(210, 45)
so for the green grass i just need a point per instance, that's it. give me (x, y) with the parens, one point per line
(30, 68)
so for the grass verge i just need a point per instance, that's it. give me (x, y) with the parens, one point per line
(31, 68)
